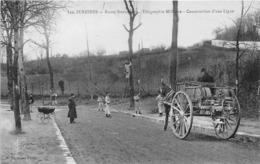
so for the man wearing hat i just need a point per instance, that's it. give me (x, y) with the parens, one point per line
(205, 77)
(72, 114)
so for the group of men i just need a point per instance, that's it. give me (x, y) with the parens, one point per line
(107, 101)
(164, 90)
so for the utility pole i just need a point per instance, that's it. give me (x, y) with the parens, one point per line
(174, 47)
(89, 63)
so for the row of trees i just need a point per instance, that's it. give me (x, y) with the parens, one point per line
(16, 17)
(245, 28)
(132, 12)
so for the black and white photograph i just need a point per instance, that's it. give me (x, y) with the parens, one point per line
(130, 82)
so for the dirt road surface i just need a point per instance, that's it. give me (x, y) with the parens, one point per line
(124, 139)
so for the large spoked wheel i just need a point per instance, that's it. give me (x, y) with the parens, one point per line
(181, 115)
(230, 119)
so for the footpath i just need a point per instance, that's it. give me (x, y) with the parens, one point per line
(248, 131)
(39, 143)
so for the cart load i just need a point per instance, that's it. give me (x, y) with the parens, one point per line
(204, 99)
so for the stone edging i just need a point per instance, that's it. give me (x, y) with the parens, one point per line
(65, 150)
(245, 137)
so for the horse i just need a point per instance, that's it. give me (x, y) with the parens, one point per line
(168, 94)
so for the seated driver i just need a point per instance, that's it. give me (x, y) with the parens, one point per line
(205, 77)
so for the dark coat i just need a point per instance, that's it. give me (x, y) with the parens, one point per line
(206, 78)
(31, 100)
(72, 109)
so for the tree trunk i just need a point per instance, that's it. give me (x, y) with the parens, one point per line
(139, 65)
(18, 125)
(132, 14)
(9, 72)
(131, 77)
(238, 49)
(49, 63)
(174, 46)
(90, 77)
(237, 64)
(24, 94)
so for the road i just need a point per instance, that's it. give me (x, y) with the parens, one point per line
(124, 139)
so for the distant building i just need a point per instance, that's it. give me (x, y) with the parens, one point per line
(232, 44)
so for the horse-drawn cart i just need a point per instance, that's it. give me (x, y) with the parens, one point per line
(203, 99)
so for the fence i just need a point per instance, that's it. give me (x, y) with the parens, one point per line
(40, 85)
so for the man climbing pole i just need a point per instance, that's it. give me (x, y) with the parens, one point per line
(127, 69)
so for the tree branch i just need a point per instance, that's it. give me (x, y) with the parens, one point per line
(234, 22)
(125, 28)
(127, 8)
(247, 8)
(137, 26)
(132, 7)
(40, 45)
(243, 52)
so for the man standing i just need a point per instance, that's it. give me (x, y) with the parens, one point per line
(54, 98)
(72, 114)
(137, 104)
(100, 103)
(165, 90)
(31, 101)
(159, 99)
(108, 102)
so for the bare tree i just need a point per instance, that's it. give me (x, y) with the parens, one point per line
(174, 46)
(238, 38)
(238, 34)
(10, 22)
(132, 12)
(23, 14)
(6, 41)
(16, 17)
(45, 26)
(45, 23)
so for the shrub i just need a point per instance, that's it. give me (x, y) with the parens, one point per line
(249, 100)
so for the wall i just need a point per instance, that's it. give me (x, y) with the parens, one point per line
(232, 44)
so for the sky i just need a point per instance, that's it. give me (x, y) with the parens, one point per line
(102, 23)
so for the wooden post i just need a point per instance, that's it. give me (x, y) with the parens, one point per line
(32, 87)
(174, 46)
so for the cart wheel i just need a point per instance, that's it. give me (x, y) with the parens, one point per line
(181, 115)
(39, 118)
(230, 120)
